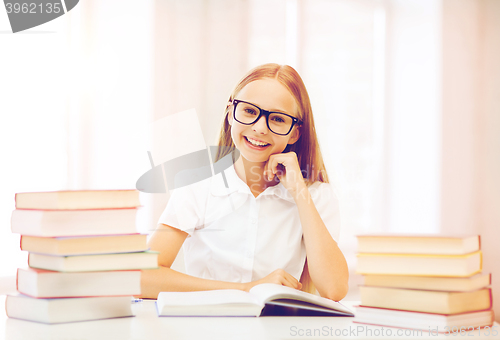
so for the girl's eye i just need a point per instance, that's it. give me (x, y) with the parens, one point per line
(277, 119)
(250, 111)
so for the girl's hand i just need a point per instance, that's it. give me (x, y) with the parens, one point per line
(279, 276)
(286, 167)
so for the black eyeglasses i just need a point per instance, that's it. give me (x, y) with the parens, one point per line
(277, 122)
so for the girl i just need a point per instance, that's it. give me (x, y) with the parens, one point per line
(272, 217)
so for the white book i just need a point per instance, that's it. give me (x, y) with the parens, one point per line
(78, 199)
(53, 223)
(87, 263)
(67, 310)
(49, 284)
(231, 302)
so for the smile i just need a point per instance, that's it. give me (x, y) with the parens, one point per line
(256, 143)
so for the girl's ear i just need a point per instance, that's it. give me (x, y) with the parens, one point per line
(295, 135)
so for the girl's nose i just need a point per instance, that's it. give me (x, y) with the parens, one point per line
(260, 126)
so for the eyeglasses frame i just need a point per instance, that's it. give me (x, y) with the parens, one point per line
(295, 121)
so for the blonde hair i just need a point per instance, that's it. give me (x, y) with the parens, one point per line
(306, 147)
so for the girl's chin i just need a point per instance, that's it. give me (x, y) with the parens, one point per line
(253, 158)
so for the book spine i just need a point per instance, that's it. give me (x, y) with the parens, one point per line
(491, 297)
(424, 330)
(6, 304)
(439, 256)
(17, 279)
(121, 208)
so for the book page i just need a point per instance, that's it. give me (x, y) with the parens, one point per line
(268, 291)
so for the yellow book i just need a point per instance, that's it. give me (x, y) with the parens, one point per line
(418, 244)
(420, 265)
(79, 245)
(455, 284)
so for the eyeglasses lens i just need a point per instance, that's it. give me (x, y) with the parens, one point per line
(247, 114)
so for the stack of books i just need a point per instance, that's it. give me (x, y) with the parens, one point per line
(85, 255)
(423, 282)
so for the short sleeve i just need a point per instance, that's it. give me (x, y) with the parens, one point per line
(327, 204)
(184, 210)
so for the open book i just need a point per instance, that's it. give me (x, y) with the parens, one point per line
(264, 299)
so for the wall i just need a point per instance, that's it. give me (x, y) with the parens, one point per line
(488, 148)
(470, 181)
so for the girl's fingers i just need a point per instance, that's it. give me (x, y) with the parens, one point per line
(292, 282)
(272, 165)
(286, 282)
(281, 164)
(282, 277)
(270, 168)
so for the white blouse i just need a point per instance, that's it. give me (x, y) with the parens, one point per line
(236, 237)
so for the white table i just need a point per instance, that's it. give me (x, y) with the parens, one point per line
(147, 325)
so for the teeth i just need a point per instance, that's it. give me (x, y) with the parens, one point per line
(256, 143)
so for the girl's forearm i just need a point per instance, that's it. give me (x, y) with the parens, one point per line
(326, 263)
(164, 279)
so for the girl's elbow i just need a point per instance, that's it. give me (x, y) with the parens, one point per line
(337, 292)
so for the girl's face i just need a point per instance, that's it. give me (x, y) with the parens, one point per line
(255, 142)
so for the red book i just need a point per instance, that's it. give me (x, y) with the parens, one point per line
(429, 323)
